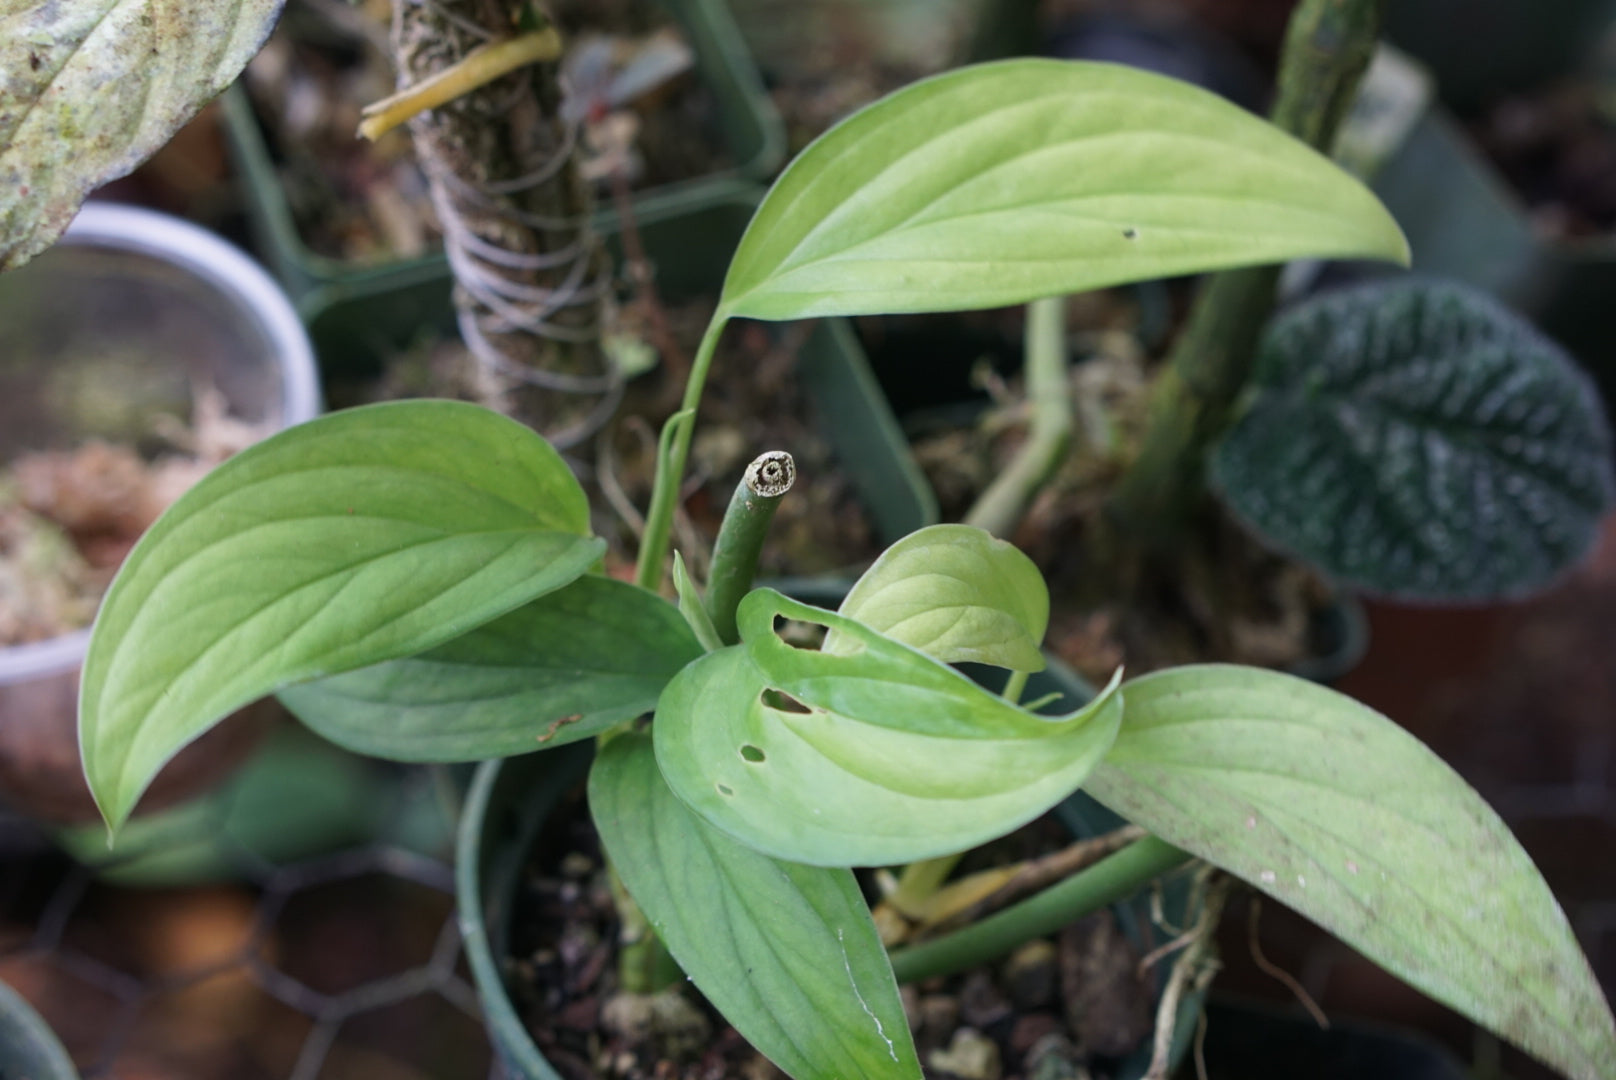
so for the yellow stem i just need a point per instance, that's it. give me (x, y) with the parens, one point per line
(479, 67)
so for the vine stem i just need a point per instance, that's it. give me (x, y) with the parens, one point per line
(740, 537)
(999, 508)
(649, 569)
(1328, 46)
(1107, 881)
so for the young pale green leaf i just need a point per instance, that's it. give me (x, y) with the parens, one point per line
(787, 953)
(565, 667)
(691, 607)
(90, 88)
(1415, 438)
(879, 756)
(955, 593)
(1004, 182)
(363, 536)
(1336, 811)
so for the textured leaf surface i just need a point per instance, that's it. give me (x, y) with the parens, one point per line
(565, 667)
(1419, 440)
(788, 953)
(91, 88)
(1004, 182)
(955, 593)
(880, 756)
(363, 536)
(1333, 809)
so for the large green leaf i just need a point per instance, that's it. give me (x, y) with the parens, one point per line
(879, 756)
(1004, 182)
(565, 667)
(787, 953)
(363, 536)
(1415, 438)
(1333, 809)
(955, 593)
(90, 88)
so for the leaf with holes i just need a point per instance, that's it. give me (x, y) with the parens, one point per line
(363, 536)
(1004, 182)
(565, 667)
(955, 593)
(881, 755)
(788, 953)
(91, 88)
(1333, 809)
(1417, 439)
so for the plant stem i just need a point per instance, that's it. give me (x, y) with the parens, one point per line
(648, 570)
(920, 881)
(999, 508)
(1015, 685)
(1327, 48)
(1106, 882)
(740, 537)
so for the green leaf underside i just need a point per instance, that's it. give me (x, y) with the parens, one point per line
(1331, 808)
(691, 607)
(91, 88)
(898, 757)
(788, 953)
(1001, 183)
(565, 667)
(957, 594)
(1417, 439)
(363, 536)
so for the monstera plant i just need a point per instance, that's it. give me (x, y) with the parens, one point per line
(418, 580)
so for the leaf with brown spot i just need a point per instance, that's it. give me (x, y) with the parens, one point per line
(91, 88)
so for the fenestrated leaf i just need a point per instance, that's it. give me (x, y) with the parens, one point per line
(565, 667)
(1338, 812)
(1417, 439)
(1004, 182)
(956, 593)
(879, 756)
(787, 953)
(90, 88)
(363, 536)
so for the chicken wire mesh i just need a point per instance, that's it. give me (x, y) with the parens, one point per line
(217, 945)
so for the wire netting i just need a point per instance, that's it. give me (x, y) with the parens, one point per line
(220, 945)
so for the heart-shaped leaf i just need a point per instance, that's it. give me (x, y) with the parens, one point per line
(1004, 182)
(565, 667)
(956, 593)
(1417, 439)
(788, 953)
(363, 536)
(879, 756)
(91, 88)
(1344, 816)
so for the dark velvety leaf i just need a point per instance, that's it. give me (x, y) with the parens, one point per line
(788, 953)
(1417, 439)
(565, 667)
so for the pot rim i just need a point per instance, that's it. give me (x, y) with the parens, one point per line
(228, 271)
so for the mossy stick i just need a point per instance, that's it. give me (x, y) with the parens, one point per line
(1327, 49)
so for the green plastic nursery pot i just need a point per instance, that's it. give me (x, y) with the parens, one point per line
(690, 237)
(29, 1049)
(507, 805)
(509, 801)
(753, 137)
